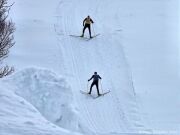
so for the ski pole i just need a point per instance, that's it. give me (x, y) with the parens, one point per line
(93, 29)
(101, 87)
(87, 86)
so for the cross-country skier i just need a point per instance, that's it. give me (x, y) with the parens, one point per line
(87, 24)
(95, 78)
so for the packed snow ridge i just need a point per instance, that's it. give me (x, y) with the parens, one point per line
(134, 54)
(37, 101)
(36, 98)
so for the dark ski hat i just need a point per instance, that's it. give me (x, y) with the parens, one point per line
(95, 72)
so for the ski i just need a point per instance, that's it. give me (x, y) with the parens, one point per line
(86, 38)
(83, 92)
(102, 94)
(74, 36)
(93, 37)
(78, 36)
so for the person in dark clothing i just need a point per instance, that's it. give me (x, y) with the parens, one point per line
(87, 24)
(95, 78)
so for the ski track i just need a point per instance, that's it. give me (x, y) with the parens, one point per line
(109, 113)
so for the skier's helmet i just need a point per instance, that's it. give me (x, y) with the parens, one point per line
(95, 73)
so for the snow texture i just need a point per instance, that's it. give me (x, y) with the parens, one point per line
(136, 54)
(36, 98)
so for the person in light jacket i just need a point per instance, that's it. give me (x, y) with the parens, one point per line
(87, 24)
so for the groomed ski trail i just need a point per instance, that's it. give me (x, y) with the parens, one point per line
(117, 112)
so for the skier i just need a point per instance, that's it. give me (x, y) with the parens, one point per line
(95, 78)
(87, 24)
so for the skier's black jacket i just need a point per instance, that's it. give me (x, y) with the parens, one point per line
(95, 78)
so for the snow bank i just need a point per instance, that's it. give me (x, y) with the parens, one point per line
(137, 34)
(45, 92)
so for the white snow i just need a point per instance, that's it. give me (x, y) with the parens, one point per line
(137, 56)
(34, 101)
(48, 94)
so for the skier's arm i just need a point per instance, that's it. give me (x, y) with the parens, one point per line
(91, 78)
(84, 21)
(91, 20)
(99, 77)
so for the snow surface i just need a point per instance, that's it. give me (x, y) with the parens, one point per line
(48, 94)
(137, 55)
(29, 102)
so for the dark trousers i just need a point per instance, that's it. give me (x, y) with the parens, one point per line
(89, 28)
(94, 83)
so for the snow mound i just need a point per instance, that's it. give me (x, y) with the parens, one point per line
(49, 94)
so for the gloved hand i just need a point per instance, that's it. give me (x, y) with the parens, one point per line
(88, 80)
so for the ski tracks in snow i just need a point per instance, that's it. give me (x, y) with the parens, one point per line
(111, 113)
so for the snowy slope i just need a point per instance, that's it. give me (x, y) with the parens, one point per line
(146, 31)
(151, 43)
(42, 40)
(29, 106)
(116, 112)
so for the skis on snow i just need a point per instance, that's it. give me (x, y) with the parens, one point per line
(93, 37)
(86, 38)
(94, 97)
(102, 94)
(78, 36)
(83, 92)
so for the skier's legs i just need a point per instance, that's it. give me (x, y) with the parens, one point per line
(89, 28)
(97, 86)
(91, 87)
(84, 30)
